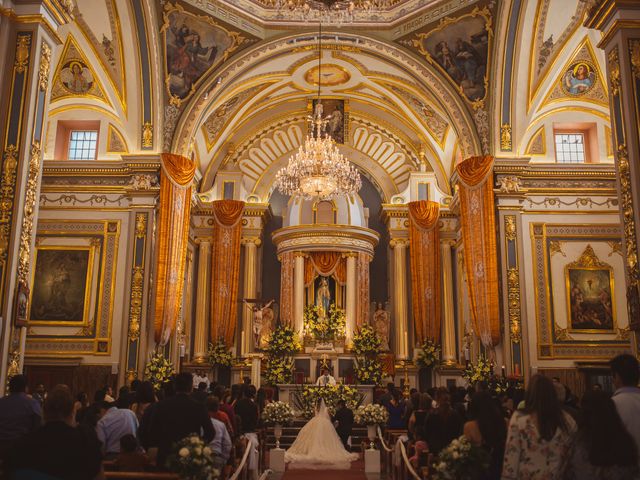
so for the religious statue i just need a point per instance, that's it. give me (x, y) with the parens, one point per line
(263, 317)
(381, 325)
(323, 298)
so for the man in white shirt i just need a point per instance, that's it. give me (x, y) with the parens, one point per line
(325, 379)
(199, 377)
(626, 374)
(112, 426)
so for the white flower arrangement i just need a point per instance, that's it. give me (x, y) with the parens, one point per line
(277, 413)
(192, 459)
(460, 459)
(372, 414)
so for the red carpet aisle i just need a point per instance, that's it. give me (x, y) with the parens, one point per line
(356, 473)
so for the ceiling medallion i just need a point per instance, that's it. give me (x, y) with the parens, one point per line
(318, 169)
(332, 75)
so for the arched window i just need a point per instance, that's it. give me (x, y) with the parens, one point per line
(325, 212)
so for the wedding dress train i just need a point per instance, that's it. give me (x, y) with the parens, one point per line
(318, 446)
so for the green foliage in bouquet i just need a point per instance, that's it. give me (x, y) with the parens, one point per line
(306, 398)
(158, 370)
(366, 341)
(480, 371)
(277, 413)
(372, 414)
(219, 354)
(368, 371)
(278, 370)
(461, 460)
(283, 341)
(192, 459)
(429, 354)
(330, 328)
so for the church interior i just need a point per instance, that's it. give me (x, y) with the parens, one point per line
(162, 191)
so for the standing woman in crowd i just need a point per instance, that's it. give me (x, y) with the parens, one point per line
(419, 415)
(539, 436)
(602, 449)
(487, 428)
(443, 424)
(395, 407)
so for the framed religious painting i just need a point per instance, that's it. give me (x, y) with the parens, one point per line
(335, 111)
(590, 302)
(61, 285)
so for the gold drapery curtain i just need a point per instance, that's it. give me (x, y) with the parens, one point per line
(225, 268)
(478, 224)
(426, 267)
(286, 288)
(363, 302)
(173, 234)
(325, 264)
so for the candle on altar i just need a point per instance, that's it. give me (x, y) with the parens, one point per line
(406, 346)
(504, 371)
(241, 343)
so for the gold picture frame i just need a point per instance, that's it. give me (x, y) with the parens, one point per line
(590, 295)
(74, 266)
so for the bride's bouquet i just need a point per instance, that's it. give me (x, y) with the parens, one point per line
(192, 459)
(277, 413)
(372, 414)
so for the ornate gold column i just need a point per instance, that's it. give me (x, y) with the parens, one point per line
(352, 288)
(448, 314)
(400, 319)
(250, 280)
(619, 21)
(298, 292)
(29, 44)
(202, 302)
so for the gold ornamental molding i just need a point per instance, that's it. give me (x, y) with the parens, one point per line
(319, 237)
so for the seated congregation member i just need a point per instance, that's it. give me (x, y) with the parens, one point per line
(539, 435)
(19, 413)
(177, 417)
(396, 407)
(602, 449)
(626, 374)
(58, 449)
(221, 444)
(131, 458)
(113, 425)
(487, 428)
(443, 424)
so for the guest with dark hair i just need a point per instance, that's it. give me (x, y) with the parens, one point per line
(221, 443)
(145, 396)
(262, 399)
(602, 449)
(222, 393)
(419, 415)
(58, 449)
(626, 374)
(124, 397)
(92, 414)
(487, 428)
(386, 397)
(344, 419)
(80, 407)
(247, 409)
(443, 424)
(130, 458)
(396, 407)
(539, 436)
(200, 394)
(19, 413)
(176, 417)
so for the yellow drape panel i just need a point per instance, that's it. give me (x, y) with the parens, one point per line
(225, 269)
(173, 234)
(286, 288)
(363, 302)
(426, 267)
(325, 264)
(478, 224)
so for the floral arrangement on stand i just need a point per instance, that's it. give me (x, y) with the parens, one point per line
(277, 413)
(460, 459)
(219, 354)
(429, 354)
(283, 343)
(372, 414)
(324, 329)
(504, 384)
(366, 346)
(192, 459)
(481, 371)
(158, 370)
(307, 397)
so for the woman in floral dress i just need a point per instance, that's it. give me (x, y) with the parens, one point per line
(539, 436)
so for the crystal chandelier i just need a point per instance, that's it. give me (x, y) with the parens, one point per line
(318, 169)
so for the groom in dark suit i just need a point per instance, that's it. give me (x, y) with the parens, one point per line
(344, 420)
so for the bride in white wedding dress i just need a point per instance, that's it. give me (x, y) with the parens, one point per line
(318, 446)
